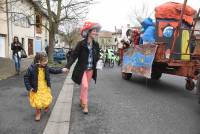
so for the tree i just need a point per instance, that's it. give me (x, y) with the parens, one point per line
(139, 12)
(60, 11)
(72, 34)
(1, 6)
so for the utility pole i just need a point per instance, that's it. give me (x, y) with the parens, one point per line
(8, 26)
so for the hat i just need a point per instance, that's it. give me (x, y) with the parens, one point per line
(89, 26)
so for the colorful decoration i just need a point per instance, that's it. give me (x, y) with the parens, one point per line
(139, 60)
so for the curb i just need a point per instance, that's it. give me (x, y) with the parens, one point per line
(59, 119)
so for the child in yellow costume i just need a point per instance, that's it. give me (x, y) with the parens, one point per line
(37, 82)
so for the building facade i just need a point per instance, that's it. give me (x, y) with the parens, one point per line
(197, 27)
(106, 40)
(21, 19)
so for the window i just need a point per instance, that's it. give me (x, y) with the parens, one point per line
(39, 24)
(23, 42)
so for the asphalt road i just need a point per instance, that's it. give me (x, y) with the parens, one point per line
(137, 106)
(16, 115)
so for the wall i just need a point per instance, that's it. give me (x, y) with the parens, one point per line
(19, 26)
(44, 35)
(3, 22)
(18, 23)
(7, 67)
(3, 32)
(198, 28)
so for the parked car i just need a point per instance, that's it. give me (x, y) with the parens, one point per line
(59, 54)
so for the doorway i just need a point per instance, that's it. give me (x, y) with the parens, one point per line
(30, 46)
(2, 46)
(38, 45)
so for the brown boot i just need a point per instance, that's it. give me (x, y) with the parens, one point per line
(37, 114)
(46, 109)
(81, 104)
(85, 109)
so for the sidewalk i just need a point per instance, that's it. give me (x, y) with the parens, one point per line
(16, 114)
(7, 66)
(59, 119)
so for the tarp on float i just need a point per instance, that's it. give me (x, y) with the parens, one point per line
(172, 10)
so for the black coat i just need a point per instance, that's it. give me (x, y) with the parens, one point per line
(15, 48)
(31, 76)
(81, 52)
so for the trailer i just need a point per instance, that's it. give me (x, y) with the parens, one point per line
(152, 60)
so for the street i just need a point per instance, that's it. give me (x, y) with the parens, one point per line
(80, 36)
(16, 114)
(138, 106)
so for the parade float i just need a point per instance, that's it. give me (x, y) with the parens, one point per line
(176, 49)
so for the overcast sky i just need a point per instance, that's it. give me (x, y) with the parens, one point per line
(111, 13)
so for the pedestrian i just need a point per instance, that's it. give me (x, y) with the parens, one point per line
(47, 49)
(125, 45)
(136, 37)
(87, 53)
(46, 46)
(148, 36)
(68, 54)
(16, 48)
(37, 82)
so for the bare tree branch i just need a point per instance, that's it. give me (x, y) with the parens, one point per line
(11, 1)
(72, 35)
(57, 12)
(27, 17)
(34, 24)
(49, 11)
(75, 9)
(139, 12)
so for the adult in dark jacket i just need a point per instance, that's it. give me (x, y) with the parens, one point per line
(16, 47)
(87, 53)
(68, 54)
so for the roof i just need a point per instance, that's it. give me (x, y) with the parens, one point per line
(117, 31)
(106, 34)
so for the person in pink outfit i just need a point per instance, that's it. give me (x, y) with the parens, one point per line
(87, 53)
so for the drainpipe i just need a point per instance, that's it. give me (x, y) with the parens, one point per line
(8, 27)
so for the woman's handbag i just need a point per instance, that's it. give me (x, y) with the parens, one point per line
(99, 65)
(18, 54)
(23, 54)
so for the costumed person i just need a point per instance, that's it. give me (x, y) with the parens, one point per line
(148, 36)
(136, 37)
(38, 84)
(125, 45)
(87, 53)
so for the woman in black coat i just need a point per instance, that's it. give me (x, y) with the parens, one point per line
(16, 47)
(87, 53)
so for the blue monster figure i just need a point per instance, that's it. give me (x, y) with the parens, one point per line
(168, 31)
(149, 30)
